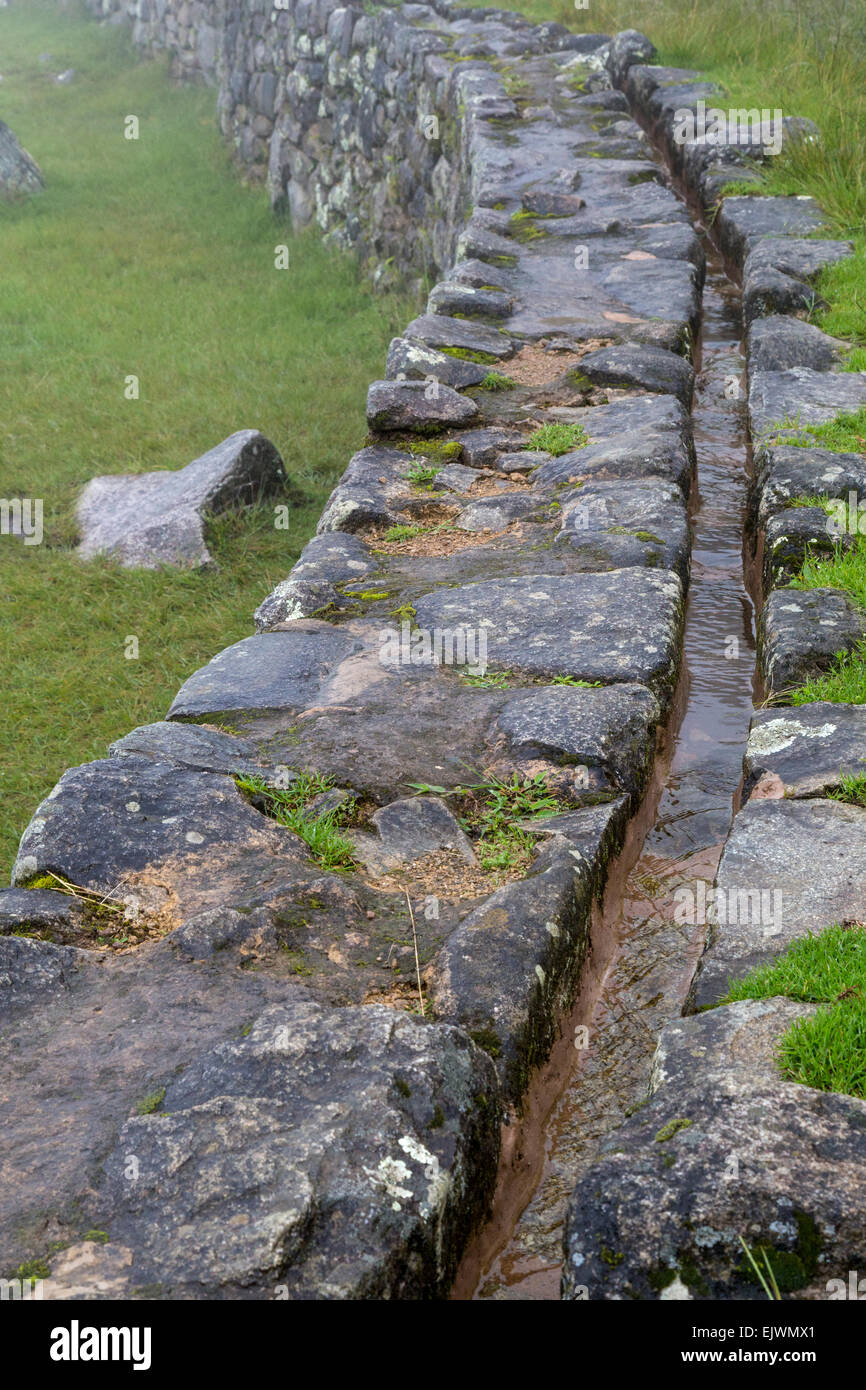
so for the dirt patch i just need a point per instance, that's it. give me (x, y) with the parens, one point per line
(403, 995)
(491, 484)
(435, 543)
(534, 365)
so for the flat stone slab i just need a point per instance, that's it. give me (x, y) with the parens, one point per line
(439, 330)
(413, 360)
(653, 368)
(614, 525)
(513, 964)
(802, 631)
(408, 829)
(801, 396)
(501, 510)
(734, 1041)
(150, 519)
(40, 909)
(20, 175)
(175, 840)
(192, 746)
(779, 342)
(353, 1153)
(744, 221)
(783, 473)
(271, 671)
(789, 867)
(369, 492)
(792, 535)
(629, 456)
(778, 275)
(804, 751)
(620, 626)
(723, 1151)
(393, 406)
(609, 731)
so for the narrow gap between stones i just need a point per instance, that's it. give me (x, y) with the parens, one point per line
(641, 959)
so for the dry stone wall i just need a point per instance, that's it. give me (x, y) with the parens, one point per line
(359, 117)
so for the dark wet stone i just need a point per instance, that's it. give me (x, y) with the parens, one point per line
(662, 1213)
(20, 175)
(804, 751)
(801, 395)
(409, 405)
(779, 271)
(150, 519)
(788, 867)
(783, 473)
(354, 1152)
(627, 48)
(58, 915)
(743, 221)
(513, 964)
(368, 492)
(778, 342)
(411, 359)
(652, 368)
(610, 730)
(326, 561)
(768, 291)
(488, 303)
(478, 274)
(482, 448)
(793, 534)
(497, 512)
(32, 970)
(523, 462)
(457, 478)
(439, 331)
(613, 525)
(273, 670)
(801, 632)
(621, 626)
(800, 257)
(170, 836)
(191, 746)
(630, 456)
(408, 829)
(546, 204)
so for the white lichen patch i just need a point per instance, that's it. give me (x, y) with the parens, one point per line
(676, 1292)
(438, 1182)
(778, 734)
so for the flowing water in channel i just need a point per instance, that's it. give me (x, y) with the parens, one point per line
(642, 960)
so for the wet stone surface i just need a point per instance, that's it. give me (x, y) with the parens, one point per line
(251, 1021)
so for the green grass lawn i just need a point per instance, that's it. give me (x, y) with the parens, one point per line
(151, 258)
(827, 1051)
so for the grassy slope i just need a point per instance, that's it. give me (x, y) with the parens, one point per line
(146, 257)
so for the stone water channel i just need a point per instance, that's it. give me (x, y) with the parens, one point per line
(643, 958)
(259, 1038)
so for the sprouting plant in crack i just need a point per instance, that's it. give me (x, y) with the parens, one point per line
(423, 475)
(767, 1279)
(493, 809)
(558, 438)
(320, 830)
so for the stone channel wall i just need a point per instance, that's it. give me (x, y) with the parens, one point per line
(725, 1141)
